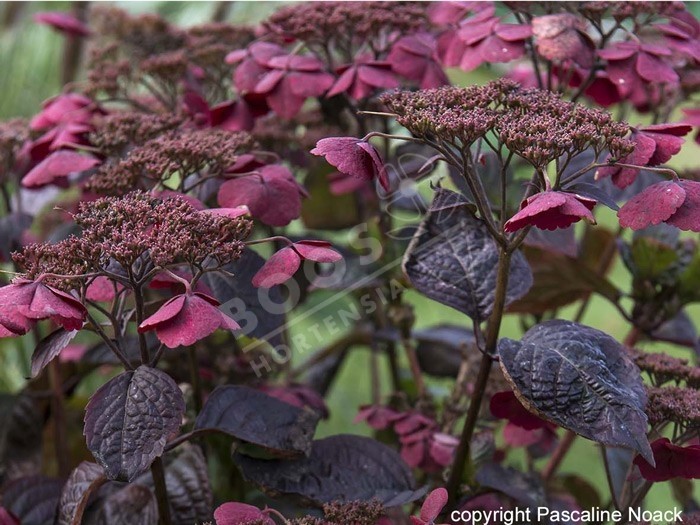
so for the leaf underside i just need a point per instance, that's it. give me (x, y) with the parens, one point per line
(340, 468)
(453, 260)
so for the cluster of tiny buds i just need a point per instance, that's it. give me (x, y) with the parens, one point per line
(664, 368)
(537, 125)
(623, 10)
(182, 151)
(323, 22)
(449, 113)
(116, 133)
(127, 229)
(675, 404)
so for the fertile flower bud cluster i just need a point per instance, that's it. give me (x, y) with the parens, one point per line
(537, 125)
(182, 152)
(147, 50)
(664, 368)
(541, 127)
(320, 22)
(675, 404)
(125, 230)
(450, 113)
(117, 132)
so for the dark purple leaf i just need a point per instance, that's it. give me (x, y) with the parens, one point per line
(21, 434)
(679, 330)
(241, 300)
(561, 241)
(521, 487)
(441, 349)
(187, 480)
(619, 461)
(254, 417)
(560, 280)
(129, 420)
(49, 348)
(453, 260)
(85, 479)
(34, 499)
(340, 468)
(132, 505)
(586, 494)
(581, 379)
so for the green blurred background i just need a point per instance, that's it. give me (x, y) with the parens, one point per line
(30, 58)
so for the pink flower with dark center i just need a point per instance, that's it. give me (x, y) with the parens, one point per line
(361, 78)
(58, 165)
(561, 37)
(284, 263)
(675, 202)
(23, 302)
(431, 508)
(550, 210)
(378, 417)
(631, 65)
(672, 461)
(252, 64)
(354, 157)
(63, 22)
(187, 318)
(415, 57)
(487, 40)
(234, 513)
(271, 193)
(654, 145)
(291, 80)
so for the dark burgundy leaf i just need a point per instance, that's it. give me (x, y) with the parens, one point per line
(521, 487)
(561, 241)
(441, 349)
(586, 494)
(130, 418)
(85, 479)
(581, 379)
(257, 418)
(453, 260)
(187, 480)
(34, 499)
(560, 280)
(505, 405)
(619, 461)
(21, 434)
(680, 330)
(340, 468)
(240, 299)
(49, 347)
(132, 505)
